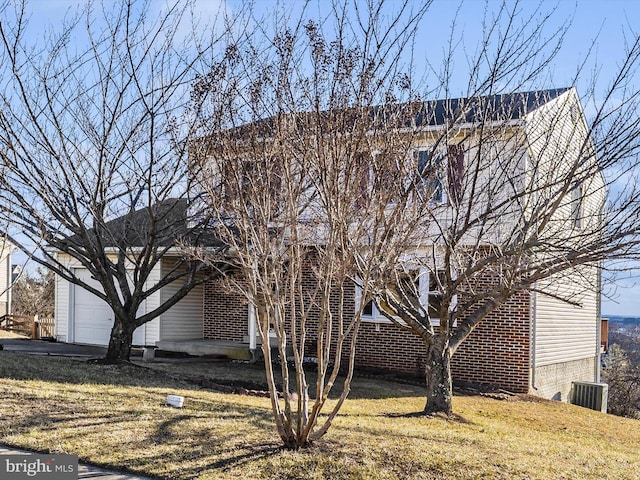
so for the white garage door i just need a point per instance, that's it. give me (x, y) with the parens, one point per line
(92, 317)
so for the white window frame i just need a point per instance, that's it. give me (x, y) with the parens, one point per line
(423, 289)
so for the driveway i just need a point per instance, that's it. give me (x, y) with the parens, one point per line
(41, 347)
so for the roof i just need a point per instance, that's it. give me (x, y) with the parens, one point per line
(168, 221)
(469, 110)
(512, 106)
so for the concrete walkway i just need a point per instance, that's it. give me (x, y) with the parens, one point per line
(84, 471)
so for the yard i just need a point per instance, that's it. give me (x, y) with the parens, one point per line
(116, 417)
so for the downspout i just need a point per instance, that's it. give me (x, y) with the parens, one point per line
(598, 322)
(602, 215)
(251, 319)
(534, 304)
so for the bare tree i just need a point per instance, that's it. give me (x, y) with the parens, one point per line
(94, 125)
(488, 198)
(623, 378)
(284, 170)
(34, 294)
(517, 184)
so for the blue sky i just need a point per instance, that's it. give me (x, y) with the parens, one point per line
(602, 21)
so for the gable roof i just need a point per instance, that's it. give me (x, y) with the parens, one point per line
(430, 113)
(504, 107)
(168, 221)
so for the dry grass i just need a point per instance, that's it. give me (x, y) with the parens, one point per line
(115, 416)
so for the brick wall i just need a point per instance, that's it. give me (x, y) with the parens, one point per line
(387, 346)
(496, 353)
(224, 313)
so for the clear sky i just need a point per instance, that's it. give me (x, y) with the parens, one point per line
(601, 21)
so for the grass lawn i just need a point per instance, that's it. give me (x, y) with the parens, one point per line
(116, 417)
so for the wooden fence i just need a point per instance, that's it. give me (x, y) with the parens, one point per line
(33, 327)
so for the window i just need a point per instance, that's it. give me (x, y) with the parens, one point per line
(576, 205)
(430, 175)
(253, 182)
(434, 168)
(434, 295)
(418, 283)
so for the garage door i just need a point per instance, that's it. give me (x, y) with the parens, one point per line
(92, 317)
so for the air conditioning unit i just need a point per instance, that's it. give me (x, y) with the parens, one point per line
(590, 395)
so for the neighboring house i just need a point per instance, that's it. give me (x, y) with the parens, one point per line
(534, 343)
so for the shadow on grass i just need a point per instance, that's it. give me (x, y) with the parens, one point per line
(223, 459)
(188, 376)
(454, 417)
(257, 452)
(19, 366)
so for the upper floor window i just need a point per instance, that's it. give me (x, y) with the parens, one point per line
(437, 169)
(576, 205)
(430, 175)
(253, 182)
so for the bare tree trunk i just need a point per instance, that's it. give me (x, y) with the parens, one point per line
(438, 376)
(120, 341)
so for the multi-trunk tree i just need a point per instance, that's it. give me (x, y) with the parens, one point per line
(285, 173)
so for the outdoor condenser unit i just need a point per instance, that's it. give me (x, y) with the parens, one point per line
(590, 395)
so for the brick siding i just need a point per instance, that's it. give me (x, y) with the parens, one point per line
(225, 313)
(496, 353)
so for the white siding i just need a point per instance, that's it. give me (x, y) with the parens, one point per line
(62, 303)
(183, 321)
(564, 332)
(152, 331)
(561, 153)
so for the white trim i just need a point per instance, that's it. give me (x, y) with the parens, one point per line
(251, 314)
(423, 290)
(71, 322)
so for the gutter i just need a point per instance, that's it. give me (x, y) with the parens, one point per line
(598, 323)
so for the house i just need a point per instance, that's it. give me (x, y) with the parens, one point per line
(534, 343)
(83, 318)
